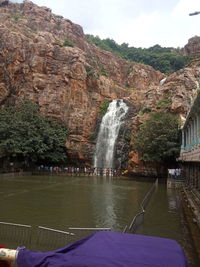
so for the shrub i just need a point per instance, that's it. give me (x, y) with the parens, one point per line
(104, 107)
(89, 70)
(145, 110)
(164, 103)
(92, 136)
(68, 43)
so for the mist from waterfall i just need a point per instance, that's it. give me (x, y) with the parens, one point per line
(108, 133)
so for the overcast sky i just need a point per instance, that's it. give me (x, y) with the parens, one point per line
(140, 23)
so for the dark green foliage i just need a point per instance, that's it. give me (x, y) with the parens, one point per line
(18, 16)
(68, 43)
(98, 42)
(164, 59)
(27, 136)
(164, 103)
(158, 138)
(90, 71)
(93, 136)
(145, 110)
(127, 138)
(102, 70)
(104, 107)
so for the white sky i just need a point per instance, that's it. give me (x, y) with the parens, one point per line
(140, 23)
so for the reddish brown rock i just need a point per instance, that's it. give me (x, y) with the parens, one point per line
(193, 46)
(46, 58)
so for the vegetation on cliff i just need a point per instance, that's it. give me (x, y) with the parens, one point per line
(52, 63)
(28, 137)
(158, 138)
(164, 59)
(104, 107)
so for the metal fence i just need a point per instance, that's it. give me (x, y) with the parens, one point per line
(15, 234)
(83, 232)
(138, 219)
(49, 239)
(41, 238)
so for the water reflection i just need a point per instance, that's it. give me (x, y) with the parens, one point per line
(62, 201)
(104, 204)
(173, 200)
(162, 217)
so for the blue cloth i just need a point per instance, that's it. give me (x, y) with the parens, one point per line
(109, 249)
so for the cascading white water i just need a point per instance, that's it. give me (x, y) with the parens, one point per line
(108, 133)
(163, 81)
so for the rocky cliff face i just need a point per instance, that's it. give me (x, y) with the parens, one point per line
(193, 46)
(175, 94)
(47, 59)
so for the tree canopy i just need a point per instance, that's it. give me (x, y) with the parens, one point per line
(27, 136)
(158, 138)
(164, 59)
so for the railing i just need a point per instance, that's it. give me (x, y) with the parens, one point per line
(190, 146)
(83, 232)
(17, 234)
(78, 171)
(138, 219)
(40, 237)
(43, 238)
(48, 238)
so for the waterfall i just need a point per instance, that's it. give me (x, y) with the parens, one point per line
(163, 81)
(108, 133)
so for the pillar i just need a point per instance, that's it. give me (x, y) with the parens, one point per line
(198, 128)
(198, 173)
(187, 136)
(195, 130)
(183, 138)
(190, 134)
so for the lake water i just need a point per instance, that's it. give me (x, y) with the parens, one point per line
(62, 201)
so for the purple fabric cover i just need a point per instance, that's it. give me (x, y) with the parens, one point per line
(109, 249)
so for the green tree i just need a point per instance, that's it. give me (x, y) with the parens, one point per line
(26, 136)
(158, 138)
(165, 59)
